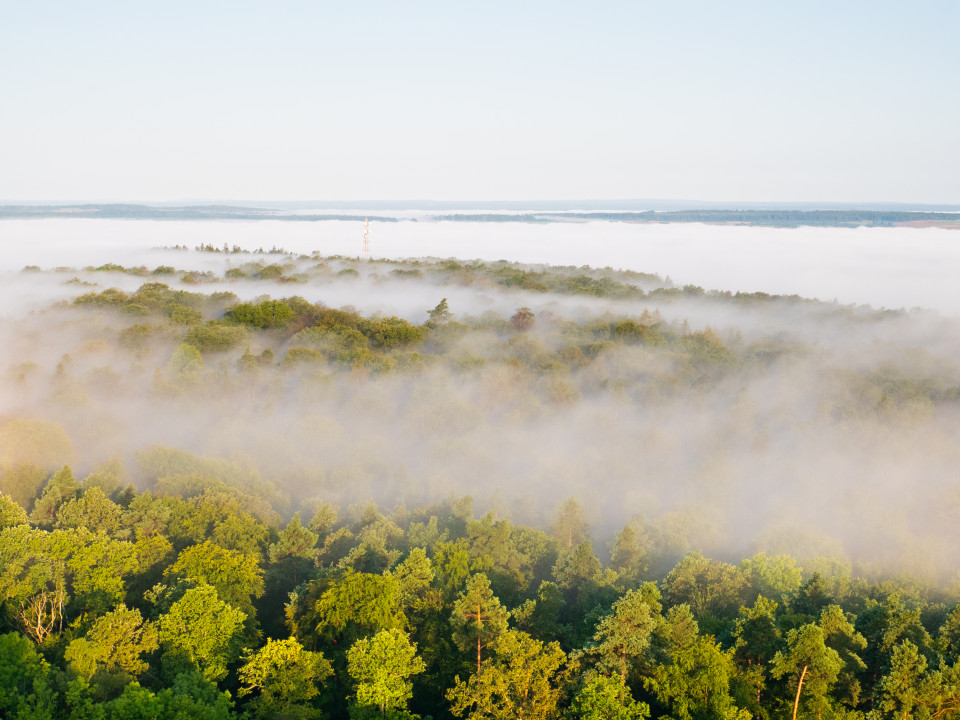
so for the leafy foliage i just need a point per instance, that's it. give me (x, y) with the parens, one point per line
(381, 666)
(284, 678)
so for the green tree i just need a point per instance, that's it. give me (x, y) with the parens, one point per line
(42, 572)
(391, 332)
(606, 698)
(283, 676)
(542, 617)
(840, 635)
(756, 642)
(776, 577)
(115, 644)
(190, 696)
(96, 567)
(628, 557)
(201, 629)
(93, 510)
(236, 576)
(948, 637)
(147, 516)
(26, 687)
(11, 514)
(60, 488)
(624, 635)
(359, 604)
(692, 673)
(324, 521)
(381, 666)
(267, 314)
(224, 516)
(578, 571)
(520, 681)
(494, 552)
(478, 618)
(808, 662)
(295, 548)
(414, 576)
(441, 313)
(906, 690)
(585, 585)
(891, 622)
(707, 586)
(214, 336)
(452, 560)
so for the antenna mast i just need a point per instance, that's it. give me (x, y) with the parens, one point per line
(366, 238)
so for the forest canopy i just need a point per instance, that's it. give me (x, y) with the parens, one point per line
(543, 492)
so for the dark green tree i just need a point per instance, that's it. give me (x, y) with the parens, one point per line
(756, 642)
(295, 548)
(26, 682)
(623, 636)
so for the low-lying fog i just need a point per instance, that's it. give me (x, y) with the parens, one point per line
(883, 267)
(830, 429)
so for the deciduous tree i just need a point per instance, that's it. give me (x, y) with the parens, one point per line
(201, 629)
(381, 666)
(114, 643)
(283, 678)
(519, 682)
(606, 698)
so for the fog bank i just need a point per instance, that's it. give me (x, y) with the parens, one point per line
(883, 267)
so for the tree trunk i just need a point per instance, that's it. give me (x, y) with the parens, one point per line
(479, 634)
(796, 702)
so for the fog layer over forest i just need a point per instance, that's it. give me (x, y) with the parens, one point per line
(722, 422)
(885, 267)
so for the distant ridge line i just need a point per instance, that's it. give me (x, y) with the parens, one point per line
(785, 218)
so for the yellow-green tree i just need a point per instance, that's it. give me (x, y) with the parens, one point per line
(236, 576)
(282, 677)
(520, 681)
(381, 667)
(114, 644)
(201, 630)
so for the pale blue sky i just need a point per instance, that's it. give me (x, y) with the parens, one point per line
(799, 101)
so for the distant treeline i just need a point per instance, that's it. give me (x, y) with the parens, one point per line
(146, 212)
(764, 218)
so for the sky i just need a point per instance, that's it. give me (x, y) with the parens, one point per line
(787, 101)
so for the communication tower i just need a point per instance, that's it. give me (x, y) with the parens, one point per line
(366, 238)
